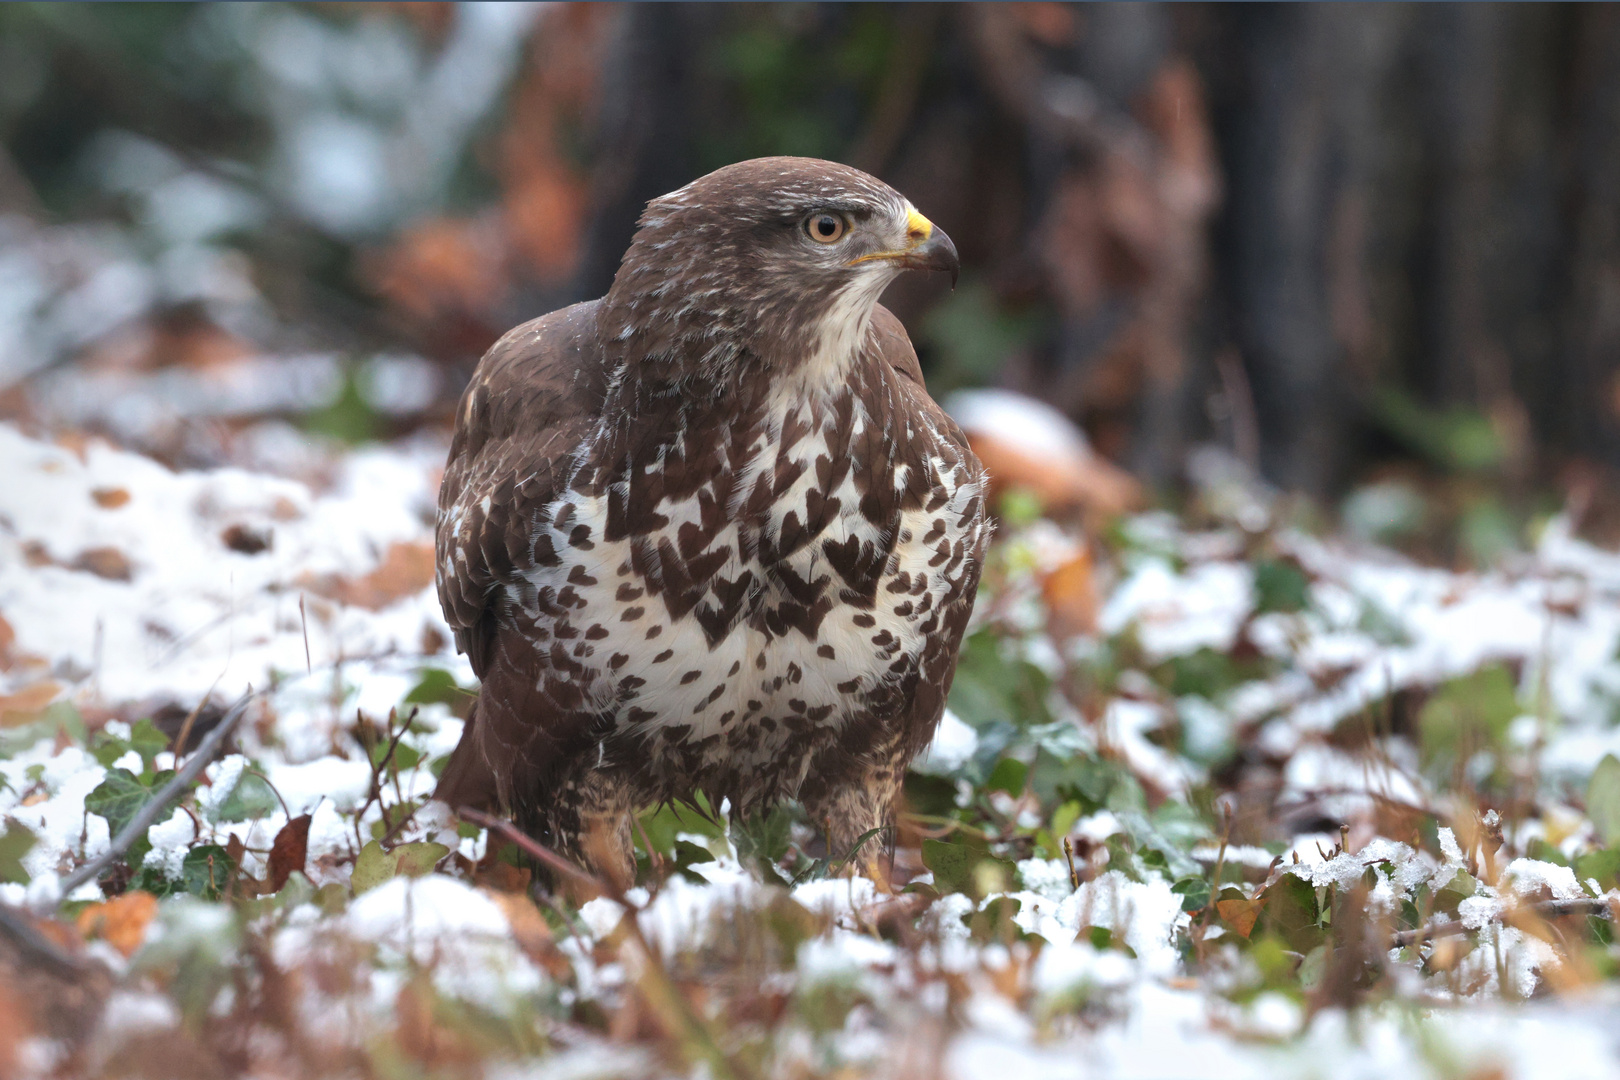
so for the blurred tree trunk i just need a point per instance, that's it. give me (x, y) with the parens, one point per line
(1424, 203)
(1268, 225)
(1588, 386)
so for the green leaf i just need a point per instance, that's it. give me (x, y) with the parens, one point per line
(952, 864)
(250, 799)
(14, 844)
(373, 867)
(118, 798)
(1603, 799)
(1280, 585)
(1194, 892)
(1466, 715)
(1603, 865)
(146, 740)
(1063, 819)
(106, 749)
(762, 840)
(1008, 776)
(414, 860)
(437, 686)
(205, 871)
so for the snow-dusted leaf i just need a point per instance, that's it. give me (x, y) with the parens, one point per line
(117, 798)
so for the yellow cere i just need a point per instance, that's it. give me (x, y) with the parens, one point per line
(918, 228)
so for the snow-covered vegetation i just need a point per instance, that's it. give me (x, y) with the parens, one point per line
(1215, 797)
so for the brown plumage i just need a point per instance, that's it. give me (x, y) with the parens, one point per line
(710, 531)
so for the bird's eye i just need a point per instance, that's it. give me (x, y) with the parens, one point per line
(825, 228)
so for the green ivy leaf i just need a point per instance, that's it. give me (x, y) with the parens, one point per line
(1280, 585)
(414, 860)
(952, 865)
(1603, 865)
(1194, 892)
(1603, 799)
(251, 798)
(373, 867)
(118, 798)
(205, 871)
(146, 740)
(14, 844)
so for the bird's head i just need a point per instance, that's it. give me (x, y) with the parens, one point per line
(778, 257)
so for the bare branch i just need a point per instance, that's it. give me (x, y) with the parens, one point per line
(206, 751)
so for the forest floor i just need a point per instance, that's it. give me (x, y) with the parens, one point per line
(1215, 797)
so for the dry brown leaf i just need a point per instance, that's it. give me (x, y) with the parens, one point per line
(105, 562)
(406, 569)
(1240, 915)
(247, 539)
(27, 702)
(289, 851)
(110, 498)
(529, 927)
(14, 1029)
(1090, 485)
(501, 876)
(121, 921)
(442, 266)
(1071, 598)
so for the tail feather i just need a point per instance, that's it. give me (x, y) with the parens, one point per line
(468, 779)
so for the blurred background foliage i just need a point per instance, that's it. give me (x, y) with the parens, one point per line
(1371, 251)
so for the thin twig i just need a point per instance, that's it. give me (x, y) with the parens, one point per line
(1598, 906)
(206, 750)
(536, 849)
(303, 620)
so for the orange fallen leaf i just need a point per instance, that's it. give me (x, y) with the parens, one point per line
(110, 498)
(121, 921)
(528, 925)
(19, 707)
(1090, 485)
(1240, 915)
(406, 569)
(1071, 598)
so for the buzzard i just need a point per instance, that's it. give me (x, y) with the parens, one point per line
(710, 532)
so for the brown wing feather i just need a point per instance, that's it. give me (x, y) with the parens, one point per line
(530, 403)
(937, 667)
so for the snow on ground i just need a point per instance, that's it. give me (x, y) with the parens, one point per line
(125, 586)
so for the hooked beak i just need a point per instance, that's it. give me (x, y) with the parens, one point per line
(927, 248)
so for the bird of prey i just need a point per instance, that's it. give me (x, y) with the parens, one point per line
(709, 532)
